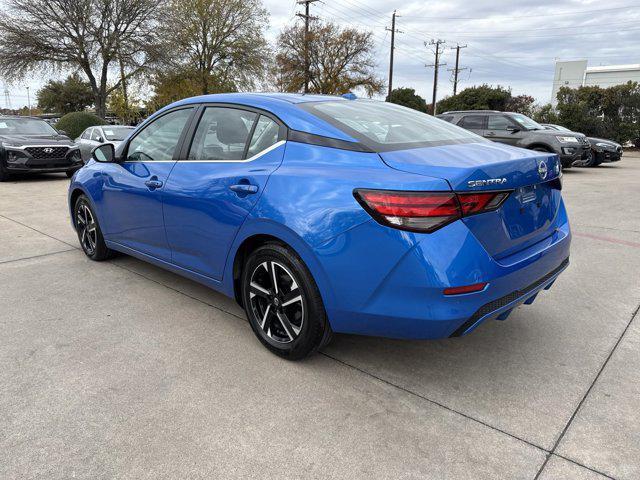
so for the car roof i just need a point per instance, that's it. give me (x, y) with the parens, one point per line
(20, 117)
(282, 105)
(470, 111)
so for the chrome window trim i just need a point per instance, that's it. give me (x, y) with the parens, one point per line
(250, 159)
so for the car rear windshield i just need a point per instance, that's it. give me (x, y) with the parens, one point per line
(25, 126)
(385, 126)
(117, 134)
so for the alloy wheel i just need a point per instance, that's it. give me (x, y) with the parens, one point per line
(276, 301)
(87, 229)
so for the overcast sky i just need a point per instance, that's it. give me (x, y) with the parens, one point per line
(513, 44)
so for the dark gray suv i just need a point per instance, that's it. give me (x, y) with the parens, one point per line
(521, 131)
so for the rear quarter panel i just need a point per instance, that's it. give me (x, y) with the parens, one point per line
(308, 202)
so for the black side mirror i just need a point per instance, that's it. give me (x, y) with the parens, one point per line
(105, 153)
(512, 129)
(100, 139)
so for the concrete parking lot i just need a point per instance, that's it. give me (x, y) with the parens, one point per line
(122, 370)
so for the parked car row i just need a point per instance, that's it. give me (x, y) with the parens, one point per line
(601, 150)
(32, 145)
(574, 149)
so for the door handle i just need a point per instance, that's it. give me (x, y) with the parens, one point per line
(244, 188)
(490, 134)
(153, 183)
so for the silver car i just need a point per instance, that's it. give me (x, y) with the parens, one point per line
(94, 136)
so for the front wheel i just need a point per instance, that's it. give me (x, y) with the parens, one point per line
(283, 303)
(89, 233)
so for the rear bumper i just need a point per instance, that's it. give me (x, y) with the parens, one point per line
(503, 306)
(393, 282)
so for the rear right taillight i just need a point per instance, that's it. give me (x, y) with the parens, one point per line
(425, 211)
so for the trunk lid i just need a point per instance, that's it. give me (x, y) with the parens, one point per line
(526, 217)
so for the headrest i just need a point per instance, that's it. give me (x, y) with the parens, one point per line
(231, 130)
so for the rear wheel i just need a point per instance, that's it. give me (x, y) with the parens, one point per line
(88, 229)
(3, 176)
(283, 303)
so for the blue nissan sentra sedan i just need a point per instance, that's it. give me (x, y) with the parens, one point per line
(324, 214)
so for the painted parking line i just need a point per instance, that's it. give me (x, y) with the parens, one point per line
(607, 239)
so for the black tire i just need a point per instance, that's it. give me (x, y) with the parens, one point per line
(289, 327)
(70, 173)
(88, 230)
(3, 175)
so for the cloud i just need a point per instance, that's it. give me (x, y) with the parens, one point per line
(514, 44)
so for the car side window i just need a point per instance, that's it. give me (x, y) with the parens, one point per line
(473, 122)
(266, 133)
(498, 122)
(86, 135)
(95, 135)
(222, 134)
(158, 140)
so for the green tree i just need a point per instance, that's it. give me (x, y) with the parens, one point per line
(127, 109)
(408, 98)
(545, 114)
(580, 109)
(214, 42)
(76, 122)
(520, 104)
(612, 112)
(84, 35)
(340, 60)
(70, 95)
(170, 86)
(483, 97)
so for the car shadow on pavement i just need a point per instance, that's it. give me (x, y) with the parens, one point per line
(35, 178)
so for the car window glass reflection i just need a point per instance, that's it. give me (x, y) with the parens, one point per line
(222, 134)
(158, 140)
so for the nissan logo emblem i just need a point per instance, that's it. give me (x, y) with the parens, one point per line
(542, 170)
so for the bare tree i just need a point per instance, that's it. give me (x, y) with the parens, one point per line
(87, 35)
(340, 60)
(220, 41)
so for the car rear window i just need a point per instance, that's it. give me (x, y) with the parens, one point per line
(384, 126)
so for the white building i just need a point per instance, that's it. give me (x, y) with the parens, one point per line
(575, 73)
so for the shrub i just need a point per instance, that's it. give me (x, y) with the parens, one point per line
(75, 123)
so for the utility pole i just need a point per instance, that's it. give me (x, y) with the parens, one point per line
(393, 32)
(29, 100)
(436, 65)
(457, 69)
(306, 17)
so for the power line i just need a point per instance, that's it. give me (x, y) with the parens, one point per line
(558, 14)
(393, 37)
(457, 68)
(306, 17)
(436, 66)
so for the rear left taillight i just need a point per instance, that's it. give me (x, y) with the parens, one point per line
(425, 211)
